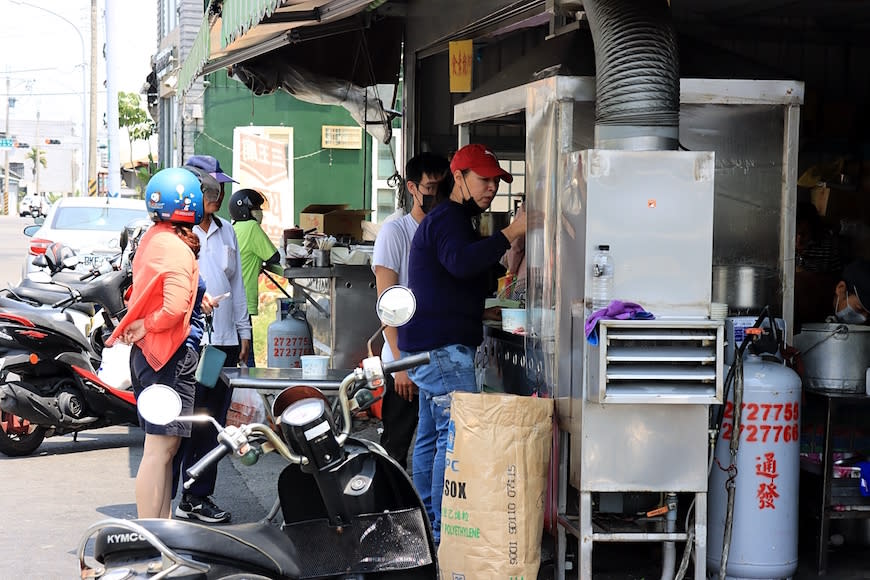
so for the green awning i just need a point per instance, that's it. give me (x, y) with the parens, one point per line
(244, 29)
(192, 65)
(239, 16)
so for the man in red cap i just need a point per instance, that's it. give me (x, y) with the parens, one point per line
(448, 271)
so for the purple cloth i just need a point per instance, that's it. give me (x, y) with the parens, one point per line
(865, 478)
(616, 310)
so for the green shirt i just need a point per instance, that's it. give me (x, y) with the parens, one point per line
(255, 247)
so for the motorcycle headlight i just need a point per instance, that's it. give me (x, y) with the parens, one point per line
(308, 426)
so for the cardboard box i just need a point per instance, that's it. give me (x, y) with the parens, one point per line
(334, 219)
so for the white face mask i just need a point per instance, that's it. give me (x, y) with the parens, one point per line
(848, 315)
(257, 214)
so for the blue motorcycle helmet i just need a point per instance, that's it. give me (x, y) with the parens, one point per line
(175, 195)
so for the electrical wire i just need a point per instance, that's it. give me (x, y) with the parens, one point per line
(219, 144)
(731, 482)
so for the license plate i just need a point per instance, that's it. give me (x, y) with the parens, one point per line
(88, 261)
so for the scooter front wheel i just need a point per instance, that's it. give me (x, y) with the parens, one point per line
(19, 437)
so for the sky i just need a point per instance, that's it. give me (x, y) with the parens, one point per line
(41, 54)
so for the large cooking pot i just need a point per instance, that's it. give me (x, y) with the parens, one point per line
(745, 288)
(836, 356)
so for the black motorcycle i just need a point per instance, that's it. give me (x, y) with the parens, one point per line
(48, 379)
(349, 511)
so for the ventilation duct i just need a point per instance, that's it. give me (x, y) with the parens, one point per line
(637, 103)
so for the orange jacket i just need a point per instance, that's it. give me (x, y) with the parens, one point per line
(165, 277)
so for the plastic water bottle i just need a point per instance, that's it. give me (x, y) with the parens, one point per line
(602, 278)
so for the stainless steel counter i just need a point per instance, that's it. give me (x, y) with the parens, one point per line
(269, 380)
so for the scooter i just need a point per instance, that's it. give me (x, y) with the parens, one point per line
(48, 379)
(349, 511)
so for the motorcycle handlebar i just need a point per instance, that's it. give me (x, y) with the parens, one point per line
(60, 303)
(395, 366)
(207, 460)
(407, 363)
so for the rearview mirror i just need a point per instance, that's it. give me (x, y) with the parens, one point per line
(396, 306)
(159, 404)
(31, 229)
(123, 239)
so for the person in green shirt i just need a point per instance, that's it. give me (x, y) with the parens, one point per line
(255, 247)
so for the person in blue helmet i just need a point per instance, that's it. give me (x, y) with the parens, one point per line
(157, 324)
(221, 268)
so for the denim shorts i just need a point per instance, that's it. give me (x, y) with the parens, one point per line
(178, 373)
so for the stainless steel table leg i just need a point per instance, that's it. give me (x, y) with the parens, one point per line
(585, 539)
(562, 506)
(827, 473)
(700, 536)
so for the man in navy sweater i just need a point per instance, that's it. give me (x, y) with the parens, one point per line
(448, 272)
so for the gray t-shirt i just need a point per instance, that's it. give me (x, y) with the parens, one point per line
(392, 248)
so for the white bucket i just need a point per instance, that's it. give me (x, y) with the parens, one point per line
(314, 366)
(513, 319)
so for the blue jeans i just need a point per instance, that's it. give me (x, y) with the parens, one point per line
(451, 369)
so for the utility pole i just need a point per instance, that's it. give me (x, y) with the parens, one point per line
(36, 155)
(112, 68)
(7, 205)
(92, 127)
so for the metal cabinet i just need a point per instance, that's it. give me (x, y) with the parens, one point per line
(340, 307)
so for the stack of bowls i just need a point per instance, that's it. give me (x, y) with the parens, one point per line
(718, 311)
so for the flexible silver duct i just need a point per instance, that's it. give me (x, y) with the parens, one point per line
(637, 104)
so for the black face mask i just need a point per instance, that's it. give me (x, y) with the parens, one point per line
(471, 208)
(427, 202)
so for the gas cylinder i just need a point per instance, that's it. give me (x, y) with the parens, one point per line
(764, 538)
(288, 337)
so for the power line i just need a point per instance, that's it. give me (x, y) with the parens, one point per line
(24, 70)
(65, 94)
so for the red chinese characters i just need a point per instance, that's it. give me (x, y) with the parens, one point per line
(461, 65)
(766, 472)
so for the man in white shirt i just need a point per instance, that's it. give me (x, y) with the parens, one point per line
(221, 267)
(390, 264)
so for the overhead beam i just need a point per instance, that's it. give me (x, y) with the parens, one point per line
(279, 17)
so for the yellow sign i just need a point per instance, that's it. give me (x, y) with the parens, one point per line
(92, 187)
(461, 53)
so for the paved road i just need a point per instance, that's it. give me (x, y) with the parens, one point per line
(48, 499)
(13, 248)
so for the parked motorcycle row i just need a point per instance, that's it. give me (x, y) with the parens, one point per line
(52, 328)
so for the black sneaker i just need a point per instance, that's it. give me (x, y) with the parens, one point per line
(203, 509)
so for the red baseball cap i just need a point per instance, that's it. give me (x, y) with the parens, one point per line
(480, 160)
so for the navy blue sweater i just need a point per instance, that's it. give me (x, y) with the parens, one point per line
(447, 270)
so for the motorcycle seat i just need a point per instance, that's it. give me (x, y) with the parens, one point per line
(47, 295)
(261, 546)
(40, 312)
